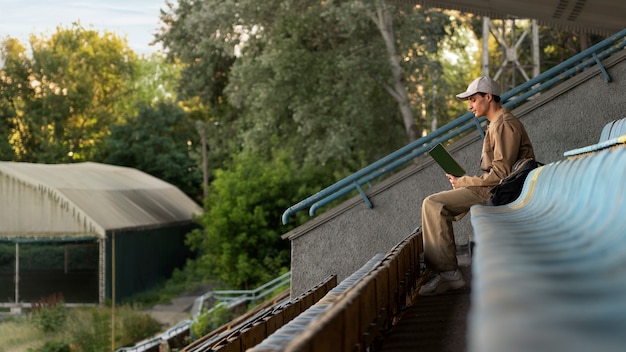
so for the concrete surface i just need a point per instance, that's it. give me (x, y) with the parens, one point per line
(171, 314)
(341, 240)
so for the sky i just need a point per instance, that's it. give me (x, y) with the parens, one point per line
(137, 20)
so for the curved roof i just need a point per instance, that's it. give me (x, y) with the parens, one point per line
(595, 16)
(65, 201)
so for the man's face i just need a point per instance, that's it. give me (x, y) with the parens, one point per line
(478, 104)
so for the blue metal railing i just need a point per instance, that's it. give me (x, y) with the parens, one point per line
(518, 95)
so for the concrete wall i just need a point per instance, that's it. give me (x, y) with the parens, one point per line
(343, 239)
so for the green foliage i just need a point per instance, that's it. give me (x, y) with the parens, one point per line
(18, 333)
(13, 95)
(7, 256)
(302, 73)
(154, 80)
(84, 329)
(559, 45)
(49, 314)
(182, 280)
(210, 320)
(240, 243)
(307, 85)
(94, 334)
(90, 329)
(555, 46)
(136, 327)
(53, 346)
(326, 69)
(192, 28)
(38, 256)
(160, 141)
(51, 319)
(57, 103)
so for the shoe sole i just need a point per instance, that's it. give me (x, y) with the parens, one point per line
(444, 287)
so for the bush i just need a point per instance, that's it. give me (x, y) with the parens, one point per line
(93, 335)
(49, 314)
(54, 328)
(138, 326)
(58, 346)
(210, 320)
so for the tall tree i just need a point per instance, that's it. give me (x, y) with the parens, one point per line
(318, 73)
(160, 140)
(306, 88)
(71, 88)
(14, 94)
(154, 80)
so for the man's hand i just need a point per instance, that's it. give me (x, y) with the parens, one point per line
(452, 180)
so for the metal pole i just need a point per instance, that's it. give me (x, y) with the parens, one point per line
(113, 291)
(485, 58)
(66, 260)
(205, 167)
(201, 126)
(434, 121)
(17, 273)
(535, 40)
(102, 270)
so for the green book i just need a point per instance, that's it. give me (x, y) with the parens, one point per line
(446, 161)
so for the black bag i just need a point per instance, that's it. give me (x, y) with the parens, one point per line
(511, 186)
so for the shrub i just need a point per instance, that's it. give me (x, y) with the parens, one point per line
(94, 335)
(49, 313)
(57, 346)
(210, 320)
(137, 326)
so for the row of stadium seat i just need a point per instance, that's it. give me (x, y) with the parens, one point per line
(549, 269)
(352, 316)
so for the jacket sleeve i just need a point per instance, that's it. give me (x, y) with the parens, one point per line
(506, 139)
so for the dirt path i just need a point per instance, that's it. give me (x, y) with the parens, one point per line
(178, 309)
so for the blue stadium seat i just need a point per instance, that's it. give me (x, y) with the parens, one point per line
(549, 270)
(612, 134)
(613, 129)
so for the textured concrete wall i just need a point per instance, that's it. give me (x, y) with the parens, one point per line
(343, 239)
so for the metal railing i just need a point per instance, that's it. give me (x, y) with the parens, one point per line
(221, 298)
(512, 98)
(229, 296)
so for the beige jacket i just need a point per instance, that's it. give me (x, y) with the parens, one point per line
(506, 141)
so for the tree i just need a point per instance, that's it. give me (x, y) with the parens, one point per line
(305, 87)
(459, 56)
(61, 100)
(197, 34)
(560, 45)
(240, 242)
(555, 46)
(154, 80)
(13, 94)
(161, 141)
(298, 71)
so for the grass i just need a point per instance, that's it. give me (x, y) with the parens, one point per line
(17, 334)
(88, 329)
(85, 329)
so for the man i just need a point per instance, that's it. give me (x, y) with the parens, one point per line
(506, 141)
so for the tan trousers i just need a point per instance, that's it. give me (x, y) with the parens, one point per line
(438, 212)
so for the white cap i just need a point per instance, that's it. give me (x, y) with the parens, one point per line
(482, 84)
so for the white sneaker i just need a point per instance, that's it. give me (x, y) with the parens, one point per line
(442, 282)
